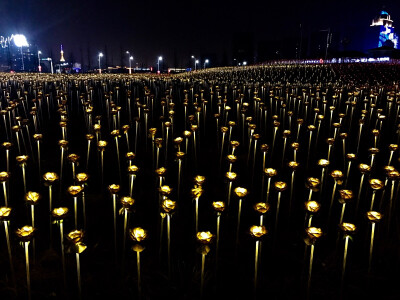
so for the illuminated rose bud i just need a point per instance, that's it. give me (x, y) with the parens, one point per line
(114, 188)
(25, 233)
(138, 234)
(258, 232)
(374, 216)
(241, 192)
(168, 205)
(75, 190)
(219, 206)
(32, 197)
(204, 237)
(261, 207)
(59, 212)
(312, 206)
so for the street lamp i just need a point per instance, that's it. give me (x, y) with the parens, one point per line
(194, 59)
(20, 41)
(100, 56)
(129, 56)
(205, 62)
(158, 64)
(51, 64)
(39, 66)
(195, 64)
(130, 64)
(245, 63)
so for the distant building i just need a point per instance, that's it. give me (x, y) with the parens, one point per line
(63, 66)
(17, 54)
(386, 36)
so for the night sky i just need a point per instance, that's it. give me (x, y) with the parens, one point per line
(175, 29)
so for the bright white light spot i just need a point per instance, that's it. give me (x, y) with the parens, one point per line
(20, 40)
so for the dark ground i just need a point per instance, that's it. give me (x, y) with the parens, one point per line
(283, 266)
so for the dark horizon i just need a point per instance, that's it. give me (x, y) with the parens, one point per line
(205, 29)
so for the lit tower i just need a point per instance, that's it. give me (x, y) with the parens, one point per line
(387, 36)
(62, 59)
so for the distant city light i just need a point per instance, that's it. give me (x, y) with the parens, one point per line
(20, 40)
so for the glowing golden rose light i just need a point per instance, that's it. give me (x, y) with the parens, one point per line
(312, 206)
(138, 234)
(75, 236)
(231, 158)
(313, 183)
(165, 190)
(376, 184)
(314, 233)
(364, 168)
(161, 171)
(218, 206)
(199, 179)
(348, 228)
(258, 231)
(130, 155)
(59, 212)
(5, 212)
(337, 174)
(62, 143)
(374, 216)
(240, 192)
(350, 156)
(7, 145)
(102, 145)
(261, 207)
(114, 188)
(168, 205)
(204, 237)
(25, 233)
(235, 144)
(37, 136)
(295, 146)
(280, 186)
(187, 133)
(74, 190)
(270, 172)
(22, 159)
(133, 169)
(293, 165)
(82, 177)
(4, 176)
(32, 197)
(50, 177)
(323, 163)
(73, 157)
(180, 155)
(115, 133)
(231, 176)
